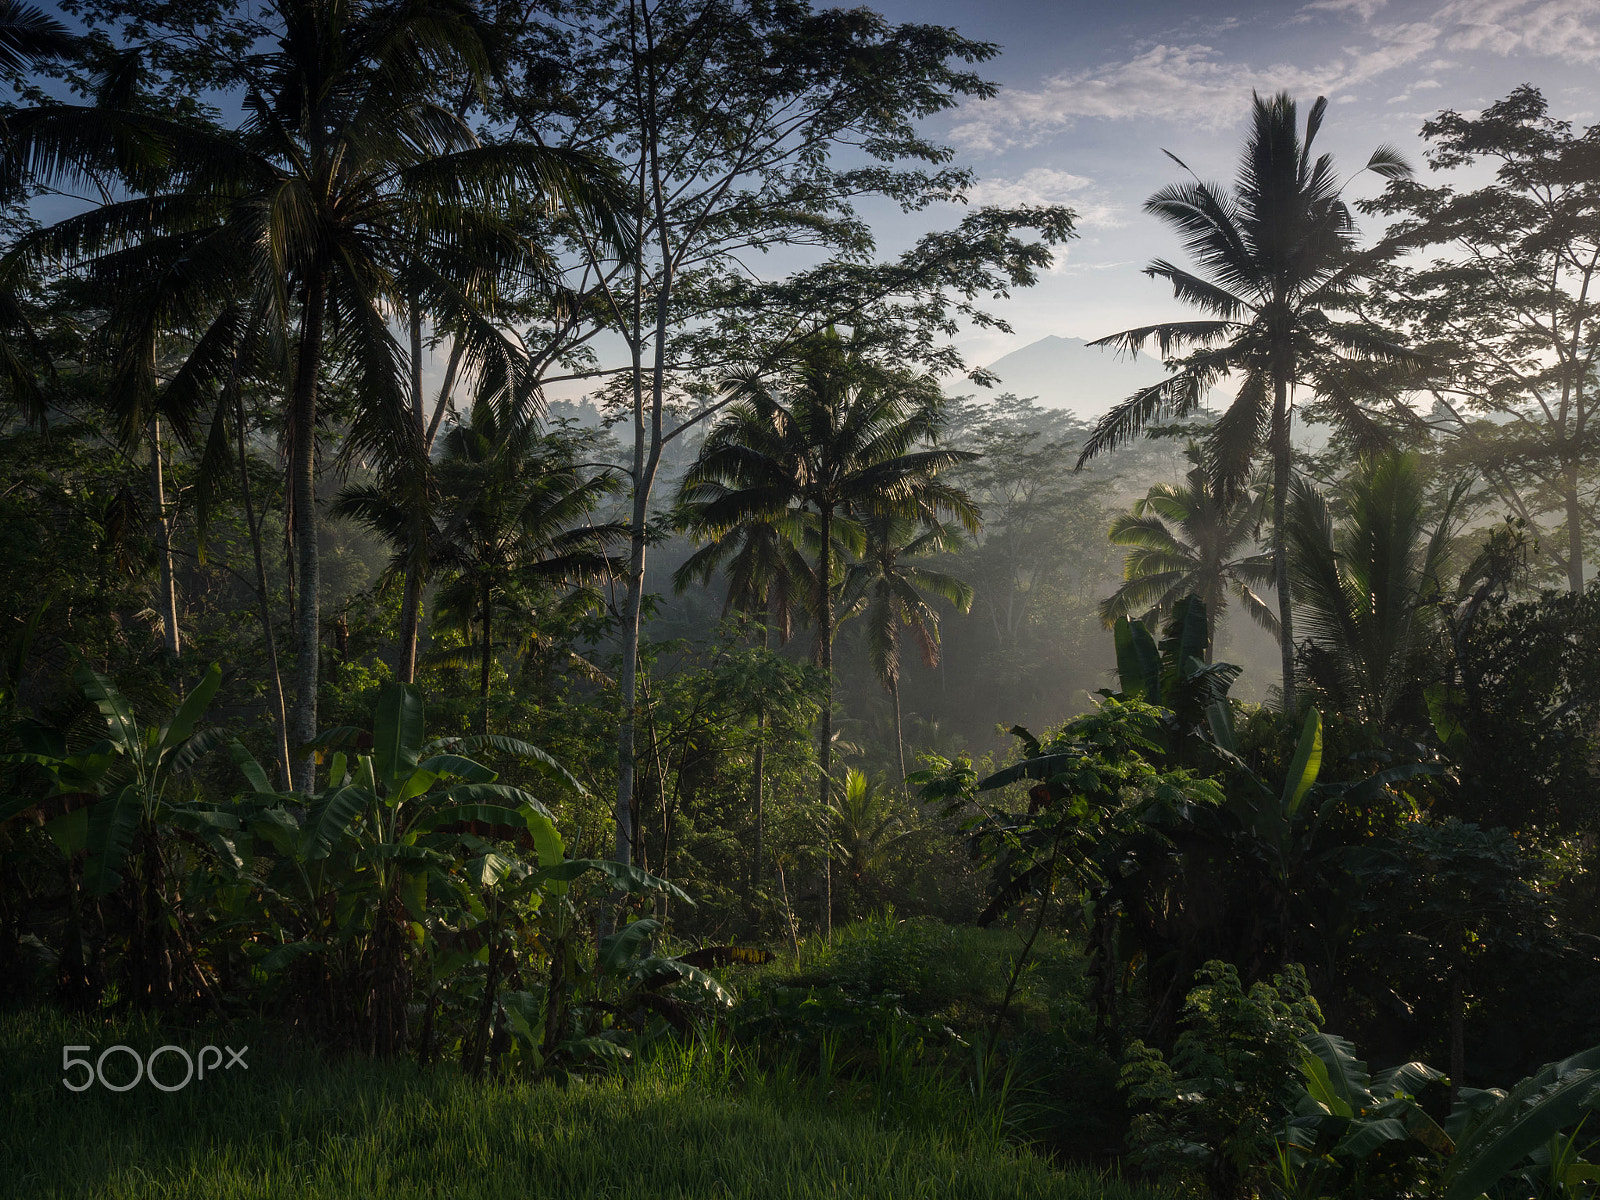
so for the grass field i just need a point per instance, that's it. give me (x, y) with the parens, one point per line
(301, 1128)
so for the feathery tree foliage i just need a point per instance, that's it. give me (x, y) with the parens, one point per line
(1191, 538)
(891, 595)
(1274, 257)
(1369, 584)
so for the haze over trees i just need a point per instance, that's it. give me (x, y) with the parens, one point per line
(789, 723)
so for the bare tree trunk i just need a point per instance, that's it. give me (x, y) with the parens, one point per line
(825, 727)
(279, 715)
(1282, 462)
(169, 591)
(303, 497)
(405, 666)
(1574, 527)
(758, 799)
(488, 650)
(899, 734)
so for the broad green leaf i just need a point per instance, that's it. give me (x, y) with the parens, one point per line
(1550, 1100)
(1307, 764)
(249, 767)
(397, 732)
(70, 831)
(112, 824)
(489, 814)
(113, 706)
(1219, 717)
(194, 706)
(1334, 1065)
(458, 766)
(492, 793)
(1138, 661)
(414, 785)
(492, 869)
(183, 757)
(331, 814)
(624, 878)
(1366, 1136)
(547, 841)
(654, 972)
(542, 762)
(622, 947)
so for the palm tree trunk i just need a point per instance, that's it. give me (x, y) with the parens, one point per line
(758, 769)
(899, 735)
(169, 592)
(483, 671)
(1281, 464)
(279, 715)
(405, 667)
(825, 728)
(303, 497)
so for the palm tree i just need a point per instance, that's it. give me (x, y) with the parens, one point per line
(511, 528)
(1369, 586)
(1273, 258)
(347, 195)
(869, 823)
(765, 574)
(1190, 538)
(835, 434)
(891, 593)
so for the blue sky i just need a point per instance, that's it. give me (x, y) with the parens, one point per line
(1092, 93)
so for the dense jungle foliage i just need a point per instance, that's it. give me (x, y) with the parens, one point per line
(925, 795)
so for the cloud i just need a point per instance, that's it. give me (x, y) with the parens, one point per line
(1568, 30)
(1362, 10)
(1195, 84)
(1046, 185)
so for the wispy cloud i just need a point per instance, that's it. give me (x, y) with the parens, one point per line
(1197, 84)
(1046, 185)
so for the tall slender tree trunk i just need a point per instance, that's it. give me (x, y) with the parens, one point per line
(279, 714)
(1282, 463)
(825, 728)
(899, 734)
(303, 497)
(1574, 527)
(758, 770)
(405, 667)
(488, 653)
(169, 589)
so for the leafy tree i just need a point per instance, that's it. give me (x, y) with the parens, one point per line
(1187, 539)
(746, 127)
(1369, 587)
(835, 435)
(1503, 291)
(1273, 260)
(891, 594)
(302, 224)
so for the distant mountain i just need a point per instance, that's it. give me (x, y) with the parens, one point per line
(1069, 373)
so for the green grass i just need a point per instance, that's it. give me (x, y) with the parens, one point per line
(689, 1124)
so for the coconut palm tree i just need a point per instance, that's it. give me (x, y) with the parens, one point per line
(511, 528)
(832, 435)
(348, 193)
(1273, 258)
(869, 824)
(1191, 538)
(1369, 583)
(892, 594)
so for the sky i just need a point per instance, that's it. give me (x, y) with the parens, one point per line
(1093, 92)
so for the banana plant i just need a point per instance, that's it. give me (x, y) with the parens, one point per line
(1349, 1129)
(115, 811)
